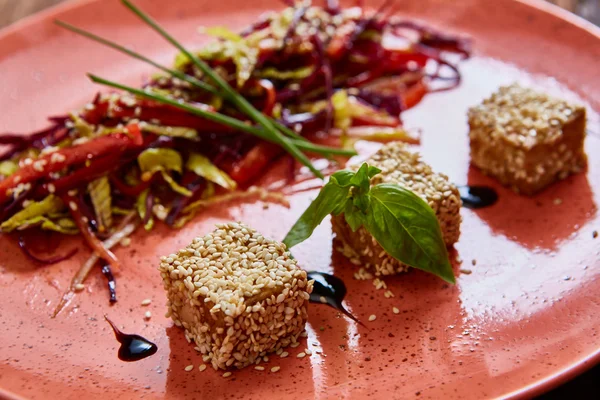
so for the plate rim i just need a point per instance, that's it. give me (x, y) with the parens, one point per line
(535, 388)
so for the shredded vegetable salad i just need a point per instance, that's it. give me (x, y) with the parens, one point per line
(294, 83)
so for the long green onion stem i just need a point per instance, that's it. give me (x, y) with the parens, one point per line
(273, 133)
(220, 118)
(173, 72)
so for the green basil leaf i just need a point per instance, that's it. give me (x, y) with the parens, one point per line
(354, 216)
(331, 200)
(408, 230)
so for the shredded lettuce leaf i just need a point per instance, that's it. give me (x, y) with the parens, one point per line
(382, 134)
(342, 115)
(153, 160)
(34, 213)
(120, 211)
(162, 161)
(99, 190)
(222, 33)
(140, 205)
(172, 131)
(84, 129)
(243, 53)
(8, 167)
(273, 73)
(203, 167)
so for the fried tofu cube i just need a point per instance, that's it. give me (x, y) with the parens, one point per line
(237, 294)
(400, 166)
(527, 140)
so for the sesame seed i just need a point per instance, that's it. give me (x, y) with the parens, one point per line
(146, 302)
(557, 201)
(301, 355)
(308, 352)
(189, 368)
(372, 317)
(72, 192)
(148, 315)
(275, 369)
(126, 241)
(595, 234)
(202, 367)
(259, 368)
(395, 310)
(465, 271)
(79, 287)
(51, 188)
(295, 344)
(474, 262)
(323, 300)
(284, 354)
(227, 374)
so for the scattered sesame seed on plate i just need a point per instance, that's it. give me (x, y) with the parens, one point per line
(189, 368)
(275, 369)
(396, 310)
(79, 287)
(465, 271)
(301, 355)
(259, 368)
(308, 352)
(595, 234)
(227, 374)
(146, 302)
(474, 262)
(372, 317)
(202, 367)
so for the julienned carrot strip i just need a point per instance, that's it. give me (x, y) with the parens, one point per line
(95, 244)
(56, 161)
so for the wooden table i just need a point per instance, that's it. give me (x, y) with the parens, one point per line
(581, 387)
(13, 10)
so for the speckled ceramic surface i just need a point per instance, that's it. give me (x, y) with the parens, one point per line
(522, 320)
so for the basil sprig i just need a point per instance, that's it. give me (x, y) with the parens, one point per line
(402, 223)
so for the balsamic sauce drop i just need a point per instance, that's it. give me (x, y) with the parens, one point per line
(330, 290)
(477, 196)
(133, 347)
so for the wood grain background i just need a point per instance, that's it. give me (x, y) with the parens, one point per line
(13, 10)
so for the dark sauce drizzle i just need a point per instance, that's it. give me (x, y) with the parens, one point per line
(133, 347)
(112, 284)
(330, 290)
(477, 196)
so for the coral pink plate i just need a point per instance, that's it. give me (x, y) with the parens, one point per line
(522, 320)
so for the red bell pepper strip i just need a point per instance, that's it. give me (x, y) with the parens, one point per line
(95, 244)
(70, 156)
(270, 96)
(413, 94)
(254, 162)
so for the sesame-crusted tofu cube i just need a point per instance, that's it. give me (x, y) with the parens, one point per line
(527, 140)
(237, 294)
(400, 166)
